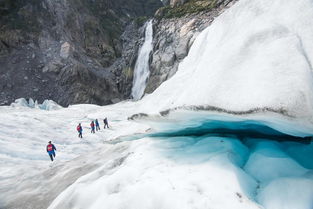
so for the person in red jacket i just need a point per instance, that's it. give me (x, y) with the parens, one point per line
(50, 150)
(92, 125)
(80, 130)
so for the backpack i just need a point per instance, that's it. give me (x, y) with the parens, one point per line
(50, 147)
(78, 128)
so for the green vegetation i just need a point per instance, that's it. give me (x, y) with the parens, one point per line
(190, 7)
(141, 20)
(128, 72)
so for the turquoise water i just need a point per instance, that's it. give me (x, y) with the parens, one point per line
(237, 129)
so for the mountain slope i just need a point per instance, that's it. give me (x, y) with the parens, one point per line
(61, 50)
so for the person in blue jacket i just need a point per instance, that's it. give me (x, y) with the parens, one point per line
(97, 125)
(50, 150)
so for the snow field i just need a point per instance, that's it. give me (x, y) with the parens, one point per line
(25, 133)
(194, 172)
(157, 174)
(150, 172)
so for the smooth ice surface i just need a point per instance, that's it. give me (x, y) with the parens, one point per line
(141, 71)
(268, 162)
(288, 193)
(301, 152)
(257, 54)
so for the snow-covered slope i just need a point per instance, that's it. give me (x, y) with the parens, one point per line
(216, 170)
(257, 55)
(27, 177)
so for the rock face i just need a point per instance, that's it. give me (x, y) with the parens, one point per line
(175, 35)
(70, 51)
(65, 50)
(175, 3)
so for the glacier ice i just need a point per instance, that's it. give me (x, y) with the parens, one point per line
(165, 182)
(255, 56)
(173, 170)
(303, 153)
(287, 193)
(268, 162)
(46, 105)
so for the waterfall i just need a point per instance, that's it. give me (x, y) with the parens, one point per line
(141, 72)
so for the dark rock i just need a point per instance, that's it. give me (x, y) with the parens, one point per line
(79, 47)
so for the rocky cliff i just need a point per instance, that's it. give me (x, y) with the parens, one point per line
(70, 51)
(84, 51)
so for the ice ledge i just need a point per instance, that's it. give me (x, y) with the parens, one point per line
(193, 117)
(167, 112)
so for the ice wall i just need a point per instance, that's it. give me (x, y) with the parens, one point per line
(46, 105)
(256, 55)
(141, 72)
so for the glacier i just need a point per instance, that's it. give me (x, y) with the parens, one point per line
(231, 129)
(255, 56)
(173, 161)
(46, 104)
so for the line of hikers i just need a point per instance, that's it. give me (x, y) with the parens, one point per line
(93, 125)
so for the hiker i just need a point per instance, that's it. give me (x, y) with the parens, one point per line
(50, 150)
(105, 121)
(92, 125)
(97, 125)
(80, 130)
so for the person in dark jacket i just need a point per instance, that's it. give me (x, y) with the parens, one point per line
(50, 150)
(97, 125)
(80, 130)
(106, 123)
